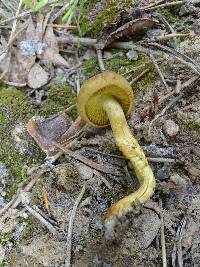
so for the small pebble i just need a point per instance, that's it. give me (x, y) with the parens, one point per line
(107, 55)
(132, 55)
(2, 253)
(171, 128)
(37, 77)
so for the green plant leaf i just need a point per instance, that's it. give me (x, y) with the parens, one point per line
(70, 10)
(37, 6)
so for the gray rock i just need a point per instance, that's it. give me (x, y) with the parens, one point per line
(4, 173)
(132, 55)
(164, 172)
(2, 253)
(171, 128)
(37, 77)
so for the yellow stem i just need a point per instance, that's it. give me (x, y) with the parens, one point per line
(131, 149)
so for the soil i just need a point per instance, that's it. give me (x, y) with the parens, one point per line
(171, 142)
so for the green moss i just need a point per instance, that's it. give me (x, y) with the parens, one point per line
(14, 107)
(120, 64)
(191, 120)
(60, 96)
(171, 14)
(111, 147)
(93, 26)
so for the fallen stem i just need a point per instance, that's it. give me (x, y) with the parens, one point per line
(70, 227)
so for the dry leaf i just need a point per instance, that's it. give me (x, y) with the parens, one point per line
(51, 52)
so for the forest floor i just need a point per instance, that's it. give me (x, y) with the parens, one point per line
(53, 194)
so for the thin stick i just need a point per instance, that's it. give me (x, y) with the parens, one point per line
(161, 160)
(130, 45)
(61, 11)
(179, 56)
(166, 23)
(70, 227)
(176, 91)
(159, 72)
(164, 254)
(154, 4)
(88, 162)
(171, 36)
(165, 5)
(15, 84)
(179, 245)
(62, 26)
(17, 199)
(151, 159)
(24, 14)
(100, 60)
(136, 79)
(40, 218)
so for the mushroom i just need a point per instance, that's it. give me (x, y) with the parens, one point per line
(106, 99)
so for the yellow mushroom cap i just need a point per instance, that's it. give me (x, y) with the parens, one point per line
(89, 101)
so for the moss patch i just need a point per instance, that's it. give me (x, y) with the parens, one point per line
(191, 120)
(120, 64)
(60, 96)
(93, 25)
(14, 107)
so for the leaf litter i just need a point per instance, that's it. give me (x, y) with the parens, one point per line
(137, 239)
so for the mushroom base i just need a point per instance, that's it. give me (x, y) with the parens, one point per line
(131, 150)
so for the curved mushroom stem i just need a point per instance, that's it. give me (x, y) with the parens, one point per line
(131, 149)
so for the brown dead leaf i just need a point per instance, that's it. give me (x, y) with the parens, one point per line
(17, 63)
(129, 30)
(47, 131)
(51, 52)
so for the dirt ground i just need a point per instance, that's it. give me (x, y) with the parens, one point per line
(42, 68)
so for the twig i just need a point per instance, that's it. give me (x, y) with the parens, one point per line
(161, 160)
(164, 255)
(24, 14)
(39, 217)
(154, 4)
(136, 79)
(171, 36)
(87, 161)
(176, 91)
(178, 244)
(180, 234)
(11, 40)
(179, 56)
(8, 5)
(15, 84)
(166, 23)
(78, 86)
(61, 11)
(15, 21)
(70, 227)
(70, 39)
(17, 199)
(165, 5)
(103, 179)
(62, 26)
(151, 159)
(159, 72)
(100, 59)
